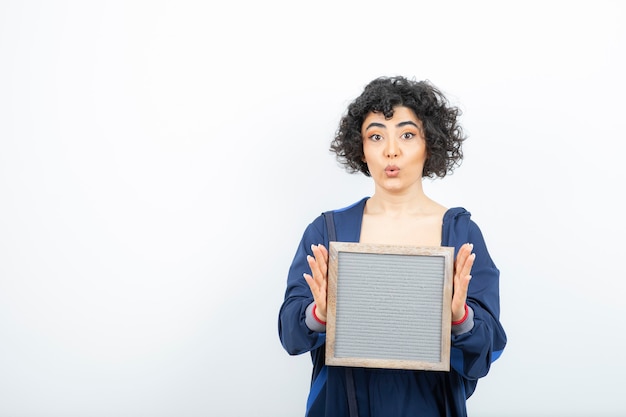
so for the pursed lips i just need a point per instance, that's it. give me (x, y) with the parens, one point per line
(392, 170)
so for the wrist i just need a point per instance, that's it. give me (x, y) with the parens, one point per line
(317, 316)
(462, 319)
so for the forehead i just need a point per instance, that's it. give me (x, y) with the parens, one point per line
(400, 114)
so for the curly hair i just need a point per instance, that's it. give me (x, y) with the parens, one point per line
(442, 131)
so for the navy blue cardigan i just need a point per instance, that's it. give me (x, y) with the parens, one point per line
(387, 392)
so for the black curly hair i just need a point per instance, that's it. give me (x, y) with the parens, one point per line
(443, 133)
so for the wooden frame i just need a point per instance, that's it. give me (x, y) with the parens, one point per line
(389, 306)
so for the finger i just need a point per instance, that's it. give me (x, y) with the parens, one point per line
(318, 276)
(316, 273)
(318, 296)
(462, 274)
(466, 268)
(460, 289)
(318, 288)
(462, 270)
(312, 284)
(459, 298)
(462, 255)
(321, 256)
(323, 251)
(461, 285)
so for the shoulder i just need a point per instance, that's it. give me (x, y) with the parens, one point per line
(346, 220)
(340, 214)
(354, 207)
(458, 225)
(353, 210)
(459, 228)
(457, 216)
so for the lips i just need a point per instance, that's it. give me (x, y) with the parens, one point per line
(392, 171)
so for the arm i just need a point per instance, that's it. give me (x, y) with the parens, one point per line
(475, 348)
(299, 332)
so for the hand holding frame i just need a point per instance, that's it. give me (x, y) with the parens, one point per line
(462, 268)
(318, 278)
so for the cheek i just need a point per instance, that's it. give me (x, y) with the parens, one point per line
(365, 151)
(425, 152)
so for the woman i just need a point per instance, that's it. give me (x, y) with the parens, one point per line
(398, 131)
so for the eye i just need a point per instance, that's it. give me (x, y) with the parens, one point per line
(408, 135)
(376, 137)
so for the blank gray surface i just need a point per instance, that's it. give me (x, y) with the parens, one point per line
(389, 306)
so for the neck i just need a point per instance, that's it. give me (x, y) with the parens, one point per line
(383, 202)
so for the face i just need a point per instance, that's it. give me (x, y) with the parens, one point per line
(395, 149)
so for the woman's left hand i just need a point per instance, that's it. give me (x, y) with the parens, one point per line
(462, 268)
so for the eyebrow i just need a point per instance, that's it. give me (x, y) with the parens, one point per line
(407, 123)
(401, 124)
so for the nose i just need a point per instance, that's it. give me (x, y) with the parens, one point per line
(391, 150)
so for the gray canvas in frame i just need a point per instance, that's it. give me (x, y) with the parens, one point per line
(387, 306)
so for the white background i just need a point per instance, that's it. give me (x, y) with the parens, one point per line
(159, 162)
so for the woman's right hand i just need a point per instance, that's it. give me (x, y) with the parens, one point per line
(318, 278)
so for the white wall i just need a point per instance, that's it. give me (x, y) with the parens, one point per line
(160, 160)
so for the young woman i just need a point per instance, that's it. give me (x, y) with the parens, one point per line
(398, 131)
